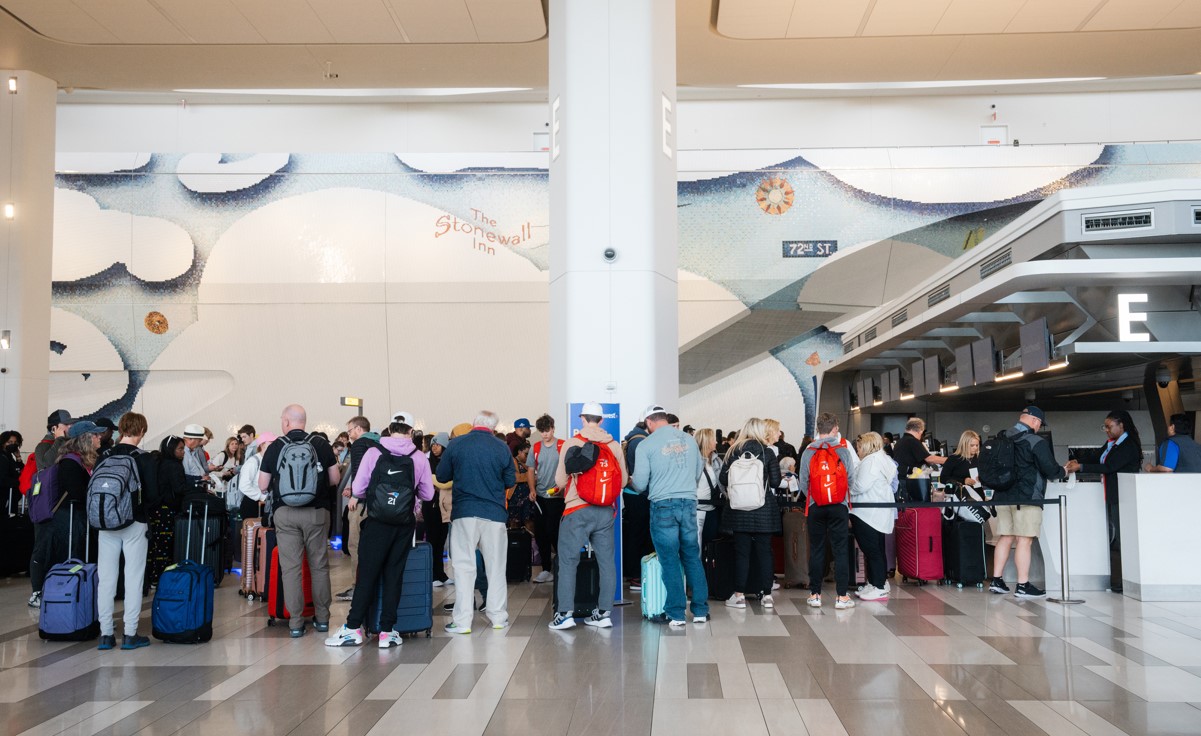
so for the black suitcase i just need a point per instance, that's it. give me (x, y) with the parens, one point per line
(963, 556)
(587, 585)
(518, 565)
(16, 541)
(718, 560)
(212, 536)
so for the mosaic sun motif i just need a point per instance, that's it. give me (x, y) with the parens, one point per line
(775, 196)
(156, 322)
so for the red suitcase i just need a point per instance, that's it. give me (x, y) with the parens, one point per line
(919, 545)
(274, 584)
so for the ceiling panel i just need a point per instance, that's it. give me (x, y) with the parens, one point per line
(1041, 16)
(435, 21)
(211, 21)
(753, 18)
(134, 21)
(286, 21)
(905, 17)
(1122, 15)
(507, 21)
(60, 19)
(358, 21)
(974, 17)
(1186, 15)
(814, 18)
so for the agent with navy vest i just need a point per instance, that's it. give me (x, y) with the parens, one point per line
(131, 540)
(481, 467)
(295, 468)
(391, 481)
(1123, 453)
(1179, 453)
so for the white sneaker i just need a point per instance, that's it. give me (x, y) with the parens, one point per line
(736, 601)
(437, 583)
(449, 581)
(768, 602)
(346, 638)
(599, 620)
(700, 619)
(844, 603)
(775, 585)
(35, 600)
(677, 623)
(815, 601)
(451, 628)
(389, 639)
(872, 593)
(887, 588)
(544, 577)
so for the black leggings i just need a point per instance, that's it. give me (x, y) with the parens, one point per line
(752, 563)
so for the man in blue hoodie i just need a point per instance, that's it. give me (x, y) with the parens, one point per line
(385, 543)
(482, 469)
(668, 466)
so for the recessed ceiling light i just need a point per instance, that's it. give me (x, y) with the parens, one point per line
(932, 84)
(339, 92)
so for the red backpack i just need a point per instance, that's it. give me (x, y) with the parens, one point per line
(827, 476)
(25, 482)
(600, 484)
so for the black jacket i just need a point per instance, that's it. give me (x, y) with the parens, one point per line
(766, 518)
(1035, 465)
(956, 468)
(1124, 458)
(172, 483)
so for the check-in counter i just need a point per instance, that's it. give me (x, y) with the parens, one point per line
(1161, 519)
(1088, 538)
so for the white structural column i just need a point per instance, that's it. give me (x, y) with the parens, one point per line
(26, 239)
(613, 321)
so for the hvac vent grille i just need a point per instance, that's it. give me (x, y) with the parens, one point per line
(869, 335)
(1105, 222)
(1197, 215)
(996, 263)
(848, 347)
(941, 294)
(900, 317)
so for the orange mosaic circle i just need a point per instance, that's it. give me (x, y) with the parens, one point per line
(775, 196)
(156, 322)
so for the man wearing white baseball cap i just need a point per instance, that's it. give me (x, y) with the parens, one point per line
(588, 519)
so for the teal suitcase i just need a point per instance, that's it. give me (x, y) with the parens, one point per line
(654, 593)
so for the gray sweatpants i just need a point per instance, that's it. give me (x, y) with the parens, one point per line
(589, 524)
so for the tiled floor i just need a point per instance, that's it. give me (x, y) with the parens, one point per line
(931, 661)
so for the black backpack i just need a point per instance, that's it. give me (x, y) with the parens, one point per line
(997, 464)
(392, 490)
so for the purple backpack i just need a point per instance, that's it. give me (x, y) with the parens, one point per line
(45, 493)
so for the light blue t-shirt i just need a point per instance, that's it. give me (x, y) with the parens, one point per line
(669, 464)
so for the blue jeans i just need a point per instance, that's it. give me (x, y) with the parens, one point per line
(673, 530)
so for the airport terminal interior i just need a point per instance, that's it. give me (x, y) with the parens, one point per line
(970, 213)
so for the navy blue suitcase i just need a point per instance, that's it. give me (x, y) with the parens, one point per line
(415, 612)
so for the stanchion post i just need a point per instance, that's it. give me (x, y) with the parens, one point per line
(1065, 590)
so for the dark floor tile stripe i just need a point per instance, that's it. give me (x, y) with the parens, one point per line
(704, 681)
(461, 682)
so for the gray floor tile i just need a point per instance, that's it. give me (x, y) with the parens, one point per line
(1136, 718)
(551, 717)
(873, 717)
(461, 682)
(703, 681)
(866, 682)
(910, 626)
(1040, 650)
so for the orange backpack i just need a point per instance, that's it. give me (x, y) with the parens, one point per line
(601, 484)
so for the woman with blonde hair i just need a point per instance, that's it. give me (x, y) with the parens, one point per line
(875, 481)
(959, 466)
(753, 528)
(708, 486)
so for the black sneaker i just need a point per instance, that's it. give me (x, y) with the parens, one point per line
(134, 642)
(998, 586)
(1027, 590)
(107, 642)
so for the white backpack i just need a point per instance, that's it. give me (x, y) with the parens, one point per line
(746, 488)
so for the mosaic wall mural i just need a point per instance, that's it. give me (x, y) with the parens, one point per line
(218, 287)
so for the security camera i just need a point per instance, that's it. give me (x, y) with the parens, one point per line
(1163, 376)
(610, 255)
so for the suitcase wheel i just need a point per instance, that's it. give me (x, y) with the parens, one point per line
(270, 622)
(980, 586)
(250, 597)
(242, 593)
(428, 633)
(959, 585)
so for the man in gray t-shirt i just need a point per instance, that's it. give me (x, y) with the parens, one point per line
(548, 505)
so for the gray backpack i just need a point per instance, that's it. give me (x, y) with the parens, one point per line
(298, 472)
(110, 492)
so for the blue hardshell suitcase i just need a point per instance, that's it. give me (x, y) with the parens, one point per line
(69, 609)
(654, 593)
(415, 612)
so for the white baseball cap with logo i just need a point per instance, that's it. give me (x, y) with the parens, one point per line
(651, 410)
(403, 417)
(592, 409)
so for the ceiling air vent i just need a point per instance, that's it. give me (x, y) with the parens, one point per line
(1110, 221)
(848, 347)
(869, 335)
(900, 317)
(1197, 215)
(941, 294)
(996, 263)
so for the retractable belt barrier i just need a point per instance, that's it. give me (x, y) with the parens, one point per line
(1061, 502)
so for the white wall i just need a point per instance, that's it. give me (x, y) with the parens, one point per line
(1106, 117)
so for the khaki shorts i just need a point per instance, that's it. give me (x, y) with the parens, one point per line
(1026, 521)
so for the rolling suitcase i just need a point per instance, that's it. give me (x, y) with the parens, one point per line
(249, 554)
(718, 561)
(519, 562)
(16, 540)
(273, 582)
(654, 593)
(182, 611)
(919, 545)
(69, 607)
(189, 534)
(858, 566)
(415, 612)
(587, 586)
(262, 561)
(964, 562)
(796, 549)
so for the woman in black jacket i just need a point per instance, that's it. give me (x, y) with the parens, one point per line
(753, 528)
(958, 467)
(10, 469)
(1123, 453)
(172, 486)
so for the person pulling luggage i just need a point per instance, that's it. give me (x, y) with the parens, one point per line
(390, 481)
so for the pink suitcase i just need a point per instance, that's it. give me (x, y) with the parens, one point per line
(919, 545)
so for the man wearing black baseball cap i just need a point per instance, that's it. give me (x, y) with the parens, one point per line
(57, 424)
(1034, 465)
